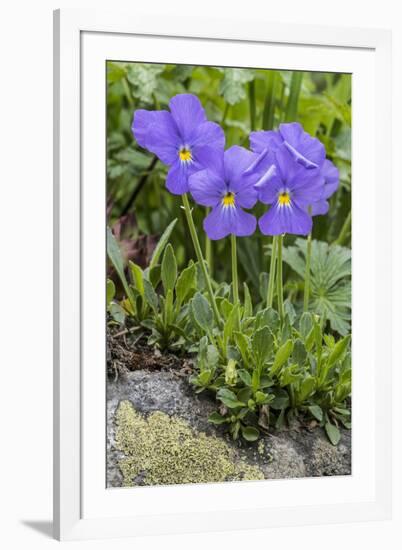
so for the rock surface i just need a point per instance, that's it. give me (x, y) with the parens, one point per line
(287, 454)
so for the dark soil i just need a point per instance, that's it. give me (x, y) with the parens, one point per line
(127, 352)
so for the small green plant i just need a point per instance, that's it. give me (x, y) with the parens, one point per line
(278, 361)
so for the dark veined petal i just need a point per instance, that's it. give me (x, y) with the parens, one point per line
(187, 112)
(207, 187)
(157, 132)
(177, 178)
(331, 176)
(226, 220)
(307, 150)
(285, 219)
(265, 139)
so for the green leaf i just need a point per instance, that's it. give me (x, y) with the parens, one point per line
(216, 418)
(249, 433)
(306, 389)
(244, 376)
(202, 312)
(305, 324)
(281, 401)
(169, 269)
(299, 354)
(232, 86)
(243, 345)
(230, 325)
(150, 296)
(229, 399)
(110, 291)
(262, 344)
(161, 244)
(117, 312)
(186, 282)
(334, 435)
(330, 280)
(281, 356)
(248, 304)
(115, 256)
(316, 411)
(267, 318)
(138, 277)
(338, 350)
(144, 79)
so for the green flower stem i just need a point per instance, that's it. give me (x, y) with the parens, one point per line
(208, 249)
(345, 229)
(272, 269)
(235, 280)
(279, 282)
(293, 99)
(201, 261)
(269, 106)
(252, 107)
(307, 274)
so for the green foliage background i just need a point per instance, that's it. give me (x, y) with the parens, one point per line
(240, 100)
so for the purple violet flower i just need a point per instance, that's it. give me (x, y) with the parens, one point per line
(183, 138)
(289, 188)
(227, 187)
(330, 174)
(306, 150)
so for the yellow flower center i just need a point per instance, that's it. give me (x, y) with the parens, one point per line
(228, 199)
(284, 198)
(185, 154)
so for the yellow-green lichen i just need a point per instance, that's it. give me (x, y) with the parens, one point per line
(164, 450)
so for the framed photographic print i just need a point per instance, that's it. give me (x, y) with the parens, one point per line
(222, 275)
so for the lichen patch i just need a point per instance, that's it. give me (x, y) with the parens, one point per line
(164, 450)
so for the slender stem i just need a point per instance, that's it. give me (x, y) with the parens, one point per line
(235, 281)
(201, 261)
(345, 229)
(307, 275)
(293, 99)
(208, 249)
(279, 282)
(269, 107)
(234, 270)
(251, 97)
(272, 268)
(225, 113)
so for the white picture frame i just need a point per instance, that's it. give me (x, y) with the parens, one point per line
(83, 507)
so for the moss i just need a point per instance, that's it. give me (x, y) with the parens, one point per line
(163, 450)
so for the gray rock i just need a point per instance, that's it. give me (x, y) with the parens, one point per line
(286, 454)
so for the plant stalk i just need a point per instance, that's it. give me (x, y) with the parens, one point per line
(234, 270)
(272, 269)
(279, 281)
(251, 97)
(235, 281)
(269, 106)
(345, 229)
(293, 99)
(307, 274)
(200, 258)
(208, 249)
